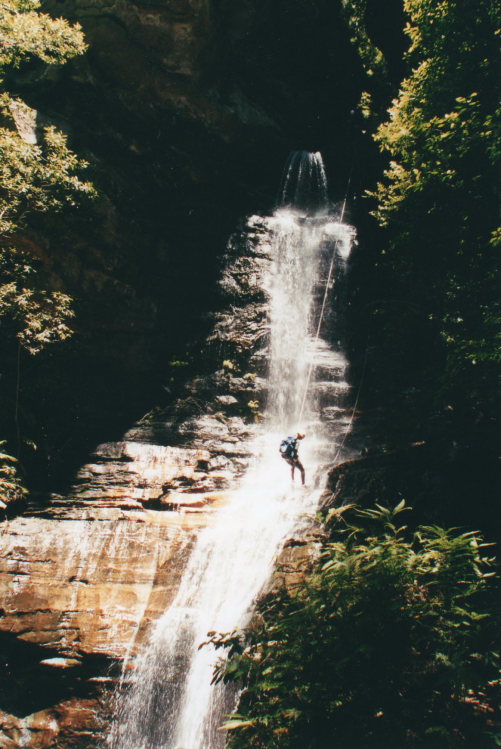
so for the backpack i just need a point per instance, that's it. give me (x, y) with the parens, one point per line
(288, 448)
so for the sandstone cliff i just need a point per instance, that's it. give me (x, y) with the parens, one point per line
(84, 575)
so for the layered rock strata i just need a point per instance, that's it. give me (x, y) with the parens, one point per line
(83, 576)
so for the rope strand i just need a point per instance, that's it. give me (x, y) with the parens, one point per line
(355, 405)
(324, 301)
(317, 334)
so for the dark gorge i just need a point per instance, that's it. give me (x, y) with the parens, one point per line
(186, 113)
(126, 441)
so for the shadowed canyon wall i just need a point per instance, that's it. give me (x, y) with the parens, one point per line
(186, 112)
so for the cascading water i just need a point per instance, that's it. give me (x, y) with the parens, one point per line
(170, 702)
(304, 183)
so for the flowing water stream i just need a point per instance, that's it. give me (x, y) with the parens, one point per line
(170, 702)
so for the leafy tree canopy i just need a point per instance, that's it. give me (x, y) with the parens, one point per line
(354, 12)
(439, 198)
(25, 33)
(39, 176)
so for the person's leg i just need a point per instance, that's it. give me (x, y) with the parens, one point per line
(299, 466)
(291, 463)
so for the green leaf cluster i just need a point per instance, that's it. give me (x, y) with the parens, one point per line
(387, 642)
(35, 315)
(439, 198)
(11, 487)
(36, 178)
(39, 178)
(25, 33)
(354, 12)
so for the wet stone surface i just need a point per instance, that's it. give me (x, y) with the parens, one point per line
(83, 576)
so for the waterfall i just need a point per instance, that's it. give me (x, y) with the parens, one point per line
(169, 702)
(304, 183)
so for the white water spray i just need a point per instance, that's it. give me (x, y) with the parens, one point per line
(170, 702)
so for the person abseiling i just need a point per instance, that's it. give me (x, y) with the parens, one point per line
(289, 452)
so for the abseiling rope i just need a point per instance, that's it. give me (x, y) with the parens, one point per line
(355, 405)
(322, 309)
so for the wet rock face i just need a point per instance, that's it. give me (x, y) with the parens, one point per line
(83, 576)
(186, 111)
(79, 586)
(75, 723)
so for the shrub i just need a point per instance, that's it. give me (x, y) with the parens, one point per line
(389, 641)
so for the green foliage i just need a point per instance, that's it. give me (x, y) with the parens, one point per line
(41, 187)
(36, 178)
(25, 33)
(387, 642)
(11, 487)
(255, 410)
(39, 177)
(354, 12)
(230, 367)
(37, 316)
(439, 197)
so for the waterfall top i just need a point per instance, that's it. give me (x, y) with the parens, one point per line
(304, 183)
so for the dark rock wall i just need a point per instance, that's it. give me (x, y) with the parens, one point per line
(186, 111)
(442, 483)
